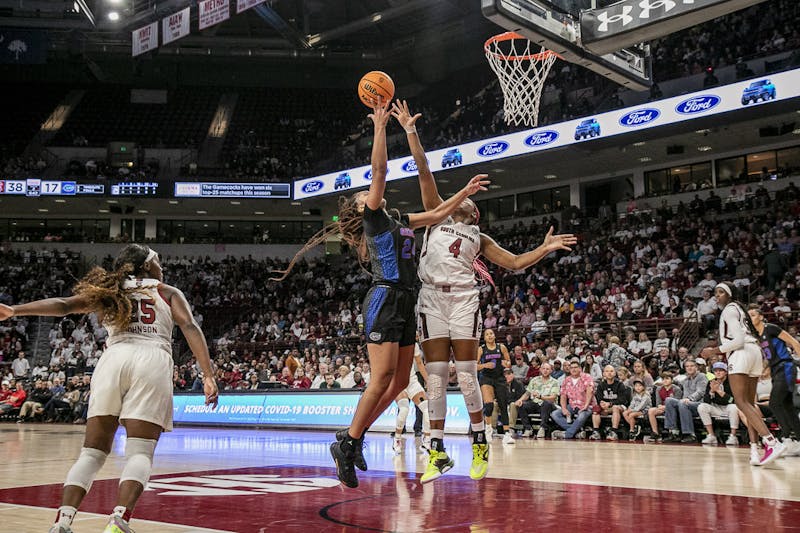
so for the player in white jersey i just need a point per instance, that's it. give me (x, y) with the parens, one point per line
(738, 340)
(448, 303)
(132, 383)
(416, 394)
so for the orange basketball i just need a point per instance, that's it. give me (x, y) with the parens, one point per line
(373, 85)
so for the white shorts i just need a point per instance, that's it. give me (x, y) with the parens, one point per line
(748, 360)
(133, 382)
(453, 315)
(413, 388)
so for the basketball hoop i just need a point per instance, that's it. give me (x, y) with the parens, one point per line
(521, 74)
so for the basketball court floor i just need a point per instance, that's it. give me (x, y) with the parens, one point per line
(239, 480)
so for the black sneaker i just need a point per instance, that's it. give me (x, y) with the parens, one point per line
(689, 439)
(672, 437)
(345, 470)
(358, 459)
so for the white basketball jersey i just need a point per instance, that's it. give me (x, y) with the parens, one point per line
(447, 254)
(151, 318)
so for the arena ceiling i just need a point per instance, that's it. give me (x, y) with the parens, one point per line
(297, 29)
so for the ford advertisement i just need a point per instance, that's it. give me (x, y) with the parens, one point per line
(702, 104)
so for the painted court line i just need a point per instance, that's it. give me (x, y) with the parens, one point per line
(191, 529)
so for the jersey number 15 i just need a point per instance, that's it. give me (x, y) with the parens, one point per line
(144, 311)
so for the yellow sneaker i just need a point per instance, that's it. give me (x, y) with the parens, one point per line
(438, 464)
(480, 461)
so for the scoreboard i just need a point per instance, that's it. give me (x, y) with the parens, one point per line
(37, 187)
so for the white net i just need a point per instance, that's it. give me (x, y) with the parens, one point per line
(521, 72)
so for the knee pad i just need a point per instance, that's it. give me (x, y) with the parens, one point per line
(437, 389)
(402, 412)
(83, 472)
(467, 372)
(488, 409)
(426, 417)
(138, 460)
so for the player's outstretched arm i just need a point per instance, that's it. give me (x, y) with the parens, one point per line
(446, 208)
(502, 257)
(47, 307)
(182, 315)
(379, 159)
(427, 184)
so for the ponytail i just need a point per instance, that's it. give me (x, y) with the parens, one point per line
(106, 290)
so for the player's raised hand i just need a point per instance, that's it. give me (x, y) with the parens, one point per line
(6, 312)
(380, 114)
(477, 183)
(559, 242)
(403, 115)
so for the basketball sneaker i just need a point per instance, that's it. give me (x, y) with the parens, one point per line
(489, 433)
(438, 464)
(358, 460)
(425, 445)
(345, 469)
(508, 439)
(397, 445)
(771, 452)
(480, 461)
(58, 528)
(755, 458)
(116, 524)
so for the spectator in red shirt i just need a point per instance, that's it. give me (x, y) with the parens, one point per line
(14, 401)
(300, 380)
(5, 391)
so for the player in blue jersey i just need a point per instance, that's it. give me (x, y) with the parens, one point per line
(387, 243)
(775, 344)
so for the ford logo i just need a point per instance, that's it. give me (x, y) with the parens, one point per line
(542, 138)
(312, 186)
(68, 187)
(410, 166)
(493, 148)
(698, 104)
(639, 117)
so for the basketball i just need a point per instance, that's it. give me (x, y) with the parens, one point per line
(374, 85)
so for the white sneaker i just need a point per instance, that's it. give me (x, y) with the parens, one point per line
(771, 453)
(558, 435)
(117, 525)
(792, 448)
(508, 439)
(489, 433)
(527, 433)
(397, 445)
(732, 440)
(58, 528)
(710, 439)
(755, 457)
(541, 433)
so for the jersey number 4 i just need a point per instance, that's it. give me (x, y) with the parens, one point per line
(144, 312)
(455, 248)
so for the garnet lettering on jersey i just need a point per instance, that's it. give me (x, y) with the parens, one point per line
(142, 329)
(451, 231)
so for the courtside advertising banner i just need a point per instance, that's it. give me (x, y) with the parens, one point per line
(243, 5)
(212, 12)
(758, 91)
(299, 410)
(144, 39)
(175, 26)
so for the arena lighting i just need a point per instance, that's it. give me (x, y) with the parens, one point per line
(258, 212)
(495, 186)
(43, 210)
(703, 148)
(143, 211)
(550, 176)
(645, 159)
(201, 212)
(113, 16)
(640, 143)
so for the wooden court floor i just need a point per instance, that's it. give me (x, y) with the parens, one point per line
(240, 480)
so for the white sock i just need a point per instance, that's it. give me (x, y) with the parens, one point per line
(119, 511)
(66, 515)
(476, 427)
(769, 440)
(437, 434)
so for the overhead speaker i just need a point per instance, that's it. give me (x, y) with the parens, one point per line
(675, 149)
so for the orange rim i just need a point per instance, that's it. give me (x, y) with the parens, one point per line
(510, 36)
